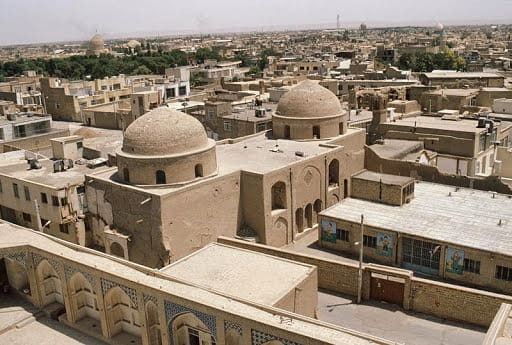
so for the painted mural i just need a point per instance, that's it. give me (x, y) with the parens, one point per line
(328, 231)
(384, 244)
(454, 260)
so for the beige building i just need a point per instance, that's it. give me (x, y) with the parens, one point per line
(65, 100)
(457, 234)
(463, 147)
(456, 80)
(174, 190)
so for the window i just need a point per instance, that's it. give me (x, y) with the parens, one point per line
(160, 177)
(278, 196)
(260, 127)
(193, 336)
(44, 198)
(504, 273)
(472, 266)
(483, 141)
(27, 217)
(57, 105)
(27, 193)
(198, 170)
(64, 201)
(15, 190)
(55, 200)
(342, 235)
(182, 90)
(369, 241)
(64, 228)
(210, 114)
(227, 126)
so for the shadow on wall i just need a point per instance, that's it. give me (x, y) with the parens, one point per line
(376, 163)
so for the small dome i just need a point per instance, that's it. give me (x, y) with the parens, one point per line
(163, 132)
(439, 27)
(309, 100)
(133, 44)
(96, 43)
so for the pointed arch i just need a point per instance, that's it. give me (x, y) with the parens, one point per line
(50, 284)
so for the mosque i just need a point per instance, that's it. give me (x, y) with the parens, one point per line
(174, 190)
(96, 46)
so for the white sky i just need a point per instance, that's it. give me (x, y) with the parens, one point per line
(27, 21)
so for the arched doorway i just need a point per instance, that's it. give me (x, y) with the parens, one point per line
(299, 220)
(160, 177)
(233, 337)
(334, 173)
(186, 328)
(117, 250)
(278, 196)
(317, 208)
(153, 324)
(309, 215)
(83, 298)
(126, 174)
(16, 275)
(316, 132)
(287, 133)
(121, 315)
(50, 284)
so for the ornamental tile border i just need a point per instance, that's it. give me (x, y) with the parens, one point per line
(132, 294)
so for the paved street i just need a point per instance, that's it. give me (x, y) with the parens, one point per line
(392, 323)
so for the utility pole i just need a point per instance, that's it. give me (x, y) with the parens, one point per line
(38, 216)
(360, 273)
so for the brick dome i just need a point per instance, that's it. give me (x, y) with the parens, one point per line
(163, 132)
(309, 100)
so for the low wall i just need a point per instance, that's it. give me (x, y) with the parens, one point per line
(430, 297)
(34, 142)
(374, 162)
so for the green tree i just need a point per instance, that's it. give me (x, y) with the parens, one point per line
(141, 70)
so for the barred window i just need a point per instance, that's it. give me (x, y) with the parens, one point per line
(342, 235)
(472, 266)
(369, 241)
(504, 273)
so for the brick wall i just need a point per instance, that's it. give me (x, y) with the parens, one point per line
(430, 297)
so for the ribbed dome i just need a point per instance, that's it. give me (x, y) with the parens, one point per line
(96, 43)
(309, 100)
(162, 132)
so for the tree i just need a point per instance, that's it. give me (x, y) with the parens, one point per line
(141, 70)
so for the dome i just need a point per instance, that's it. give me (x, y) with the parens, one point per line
(439, 27)
(309, 100)
(133, 44)
(96, 43)
(164, 132)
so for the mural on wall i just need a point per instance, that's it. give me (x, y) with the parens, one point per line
(454, 260)
(384, 244)
(328, 231)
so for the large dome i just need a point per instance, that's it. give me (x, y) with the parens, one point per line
(309, 100)
(96, 43)
(164, 132)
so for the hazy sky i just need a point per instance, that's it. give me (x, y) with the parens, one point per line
(27, 21)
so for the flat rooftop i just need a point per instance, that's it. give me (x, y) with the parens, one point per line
(429, 122)
(260, 154)
(384, 178)
(468, 218)
(45, 175)
(460, 75)
(24, 118)
(248, 113)
(242, 273)
(396, 149)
